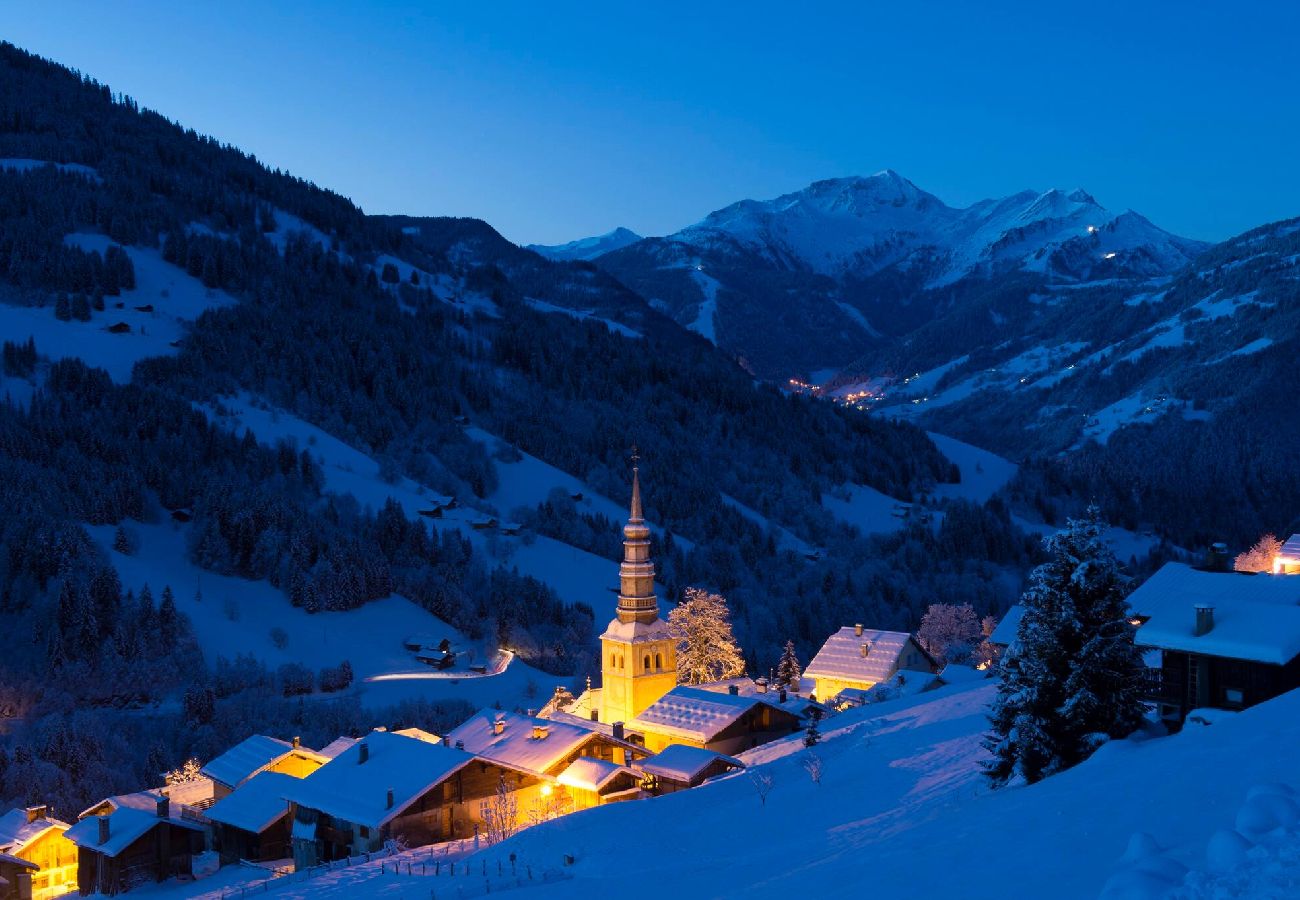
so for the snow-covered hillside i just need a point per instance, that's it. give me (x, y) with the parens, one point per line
(588, 248)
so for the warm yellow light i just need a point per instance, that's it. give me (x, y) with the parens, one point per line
(547, 789)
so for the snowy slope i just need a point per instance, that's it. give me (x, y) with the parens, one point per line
(587, 248)
(983, 474)
(177, 299)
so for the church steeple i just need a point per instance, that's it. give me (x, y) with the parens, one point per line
(636, 596)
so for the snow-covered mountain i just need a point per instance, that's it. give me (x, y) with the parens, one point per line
(588, 248)
(794, 284)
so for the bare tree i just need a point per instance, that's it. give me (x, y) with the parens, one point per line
(500, 813)
(763, 783)
(1259, 558)
(812, 764)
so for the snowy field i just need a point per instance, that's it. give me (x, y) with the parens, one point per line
(176, 298)
(865, 508)
(983, 473)
(237, 616)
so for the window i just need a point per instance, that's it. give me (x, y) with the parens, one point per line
(647, 662)
(659, 661)
(365, 832)
(1233, 696)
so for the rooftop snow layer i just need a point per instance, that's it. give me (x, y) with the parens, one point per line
(336, 746)
(1005, 632)
(357, 792)
(589, 774)
(1256, 617)
(246, 759)
(682, 763)
(16, 831)
(693, 712)
(126, 825)
(841, 655)
(516, 745)
(256, 804)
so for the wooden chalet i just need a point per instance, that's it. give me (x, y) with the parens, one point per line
(252, 822)
(257, 754)
(32, 835)
(542, 746)
(593, 782)
(1227, 640)
(855, 658)
(679, 767)
(16, 877)
(130, 847)
(723, 722)
(390, 786)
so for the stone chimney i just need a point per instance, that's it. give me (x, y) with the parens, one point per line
(460, 745)
(104, 826)
(297, 742)
(618, 731)
(1204, 619)
(541, 732)
(164, 807)
(866, 649)
(762, 685)
(389, 804)
(498, 726)
(733, 690)
(780, 695)
(1217, 558)
(35, 812)
(363, 752)
(857, 630)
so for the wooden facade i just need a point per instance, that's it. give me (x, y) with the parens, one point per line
(451, 809)
(758, 725)
(164, 851)
(1190, 681)
(15, 877)
(233, 843)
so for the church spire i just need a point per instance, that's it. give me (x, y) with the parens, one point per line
(636, 595)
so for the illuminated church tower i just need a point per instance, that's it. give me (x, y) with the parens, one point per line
(638, 657)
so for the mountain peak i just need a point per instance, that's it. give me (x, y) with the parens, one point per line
(590, 247)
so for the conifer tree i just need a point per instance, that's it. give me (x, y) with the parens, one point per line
(788, 670)
(1073, 678)
(812, 735)
(706, 648)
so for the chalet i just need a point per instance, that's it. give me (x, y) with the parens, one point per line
(855, 658)
(1005, 633)
(260, 753)
(16, 877)
(511, 529)
(483, 523)
(724, 722)
(1287, 561)
(119, 327)
(438, 657)
(389, 786)
(31, 835)
(1227, 640)
(594, 782)
(252, 822)
(678, 767)
(540, 746)
(130, 847)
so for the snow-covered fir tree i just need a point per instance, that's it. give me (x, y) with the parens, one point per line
(706, 647)
(1073, 677)
(788, 669)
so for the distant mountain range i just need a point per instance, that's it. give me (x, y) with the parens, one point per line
(588, 248)
(815, 279)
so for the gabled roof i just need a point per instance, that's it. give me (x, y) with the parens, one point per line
(1291, 549)
(590, 774)
(682, 763)
(145, 801)
(15, 861)
(1256, 617)
(357, 792)
(841, 655)
(515, 745)
(244, 760)
(694, 713)
(255, 805)
(126, 825)
(336, 746)
(16, 832)
(1006, 630)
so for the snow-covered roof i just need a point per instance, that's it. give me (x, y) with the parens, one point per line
(744, 684)
(1256, 617)
(636, 632)
(146, 801)
(1005, 632)
(256, 804)
(589, 774)
(419, 734)
(246, 759)
(126, 825)
(357, 792)
(336, 746)
(516, 745)
(693, 713)
(841, 655)
(683, 763)
(15, 861)
(16, 832)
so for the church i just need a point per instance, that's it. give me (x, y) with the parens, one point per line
(639, 695)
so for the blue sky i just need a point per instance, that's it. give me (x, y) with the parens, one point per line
(553, 121)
